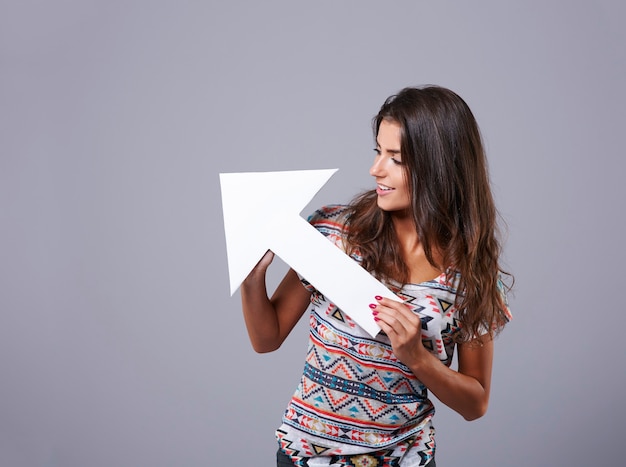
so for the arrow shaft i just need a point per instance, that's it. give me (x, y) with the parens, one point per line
(302, 247)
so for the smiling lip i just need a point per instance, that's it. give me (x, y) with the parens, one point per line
(383, 190)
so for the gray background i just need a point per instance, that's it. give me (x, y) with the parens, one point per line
(119, 343)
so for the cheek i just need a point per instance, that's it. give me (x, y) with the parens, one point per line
(406, 191)
(405, 183)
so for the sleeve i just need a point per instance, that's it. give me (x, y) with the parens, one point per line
(506, 311)
(330, 221)
(499, 321)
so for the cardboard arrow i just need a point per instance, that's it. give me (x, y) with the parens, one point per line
(262, 211)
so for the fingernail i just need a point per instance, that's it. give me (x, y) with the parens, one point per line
(376, 318)
(378, 297)
(372, 305)
(374, 313)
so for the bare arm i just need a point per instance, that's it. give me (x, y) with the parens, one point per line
(467, 390)
(269, 321)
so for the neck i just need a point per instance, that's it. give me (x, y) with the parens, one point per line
(406, 232)
(412, 249)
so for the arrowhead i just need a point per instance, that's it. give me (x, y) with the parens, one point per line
(253, 204)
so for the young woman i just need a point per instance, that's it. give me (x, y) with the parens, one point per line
(428, 231)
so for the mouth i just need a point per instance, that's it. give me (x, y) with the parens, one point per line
(382, 190)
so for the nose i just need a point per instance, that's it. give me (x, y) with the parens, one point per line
(376, 169)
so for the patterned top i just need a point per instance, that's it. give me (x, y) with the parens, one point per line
(356, 404)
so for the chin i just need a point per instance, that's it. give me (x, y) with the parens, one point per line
(385, 206)
(399, 211)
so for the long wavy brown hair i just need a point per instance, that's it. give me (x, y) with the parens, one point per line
(452, 205)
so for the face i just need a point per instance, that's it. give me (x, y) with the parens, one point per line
(392, 186)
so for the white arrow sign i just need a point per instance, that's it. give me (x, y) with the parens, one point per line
(262, 211)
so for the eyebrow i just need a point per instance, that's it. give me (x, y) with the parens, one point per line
(392, 151)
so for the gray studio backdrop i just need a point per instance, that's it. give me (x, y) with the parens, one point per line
(119, 343)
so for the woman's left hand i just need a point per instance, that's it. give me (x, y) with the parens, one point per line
(403, 327)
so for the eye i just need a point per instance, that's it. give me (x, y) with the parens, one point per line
(377, 151)
(396, 161)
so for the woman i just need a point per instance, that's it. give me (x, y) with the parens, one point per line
(429, 232)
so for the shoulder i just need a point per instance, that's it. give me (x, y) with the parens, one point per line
(330, 219)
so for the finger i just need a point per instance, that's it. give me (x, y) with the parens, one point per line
(266, 260)
(392, 319)
(400, 307)
(397, 311)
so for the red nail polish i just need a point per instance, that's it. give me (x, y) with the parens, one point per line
(372, 305)
(376, 318)
(378, 297)
(374, 313)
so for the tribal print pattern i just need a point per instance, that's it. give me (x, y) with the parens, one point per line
(356, 404)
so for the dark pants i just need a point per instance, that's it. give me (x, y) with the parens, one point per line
(282, 460)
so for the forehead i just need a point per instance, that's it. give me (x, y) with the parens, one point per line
(389, 134)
